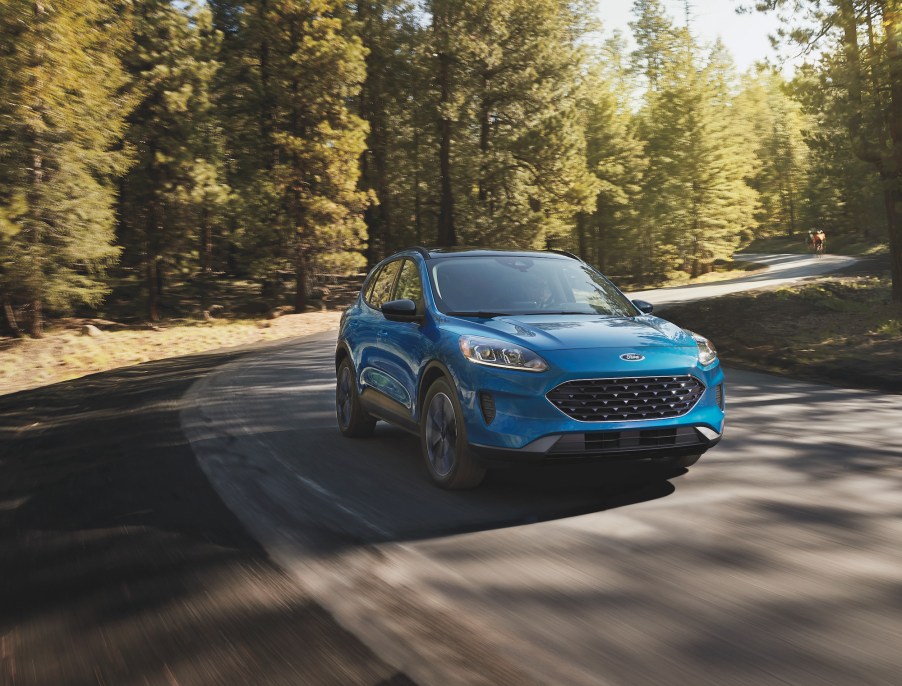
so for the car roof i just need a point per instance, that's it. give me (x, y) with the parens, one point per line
(472, 251)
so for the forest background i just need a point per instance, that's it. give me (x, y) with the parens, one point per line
(152, 145)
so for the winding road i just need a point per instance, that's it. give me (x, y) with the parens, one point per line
(776, 560)
(780, 270)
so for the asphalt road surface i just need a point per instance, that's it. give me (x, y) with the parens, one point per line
(775, 560)
(781, 270)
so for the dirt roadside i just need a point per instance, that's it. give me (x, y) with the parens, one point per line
(65, 354)
(120, 565)
(842, 329)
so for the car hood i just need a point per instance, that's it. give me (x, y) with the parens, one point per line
(571, 332)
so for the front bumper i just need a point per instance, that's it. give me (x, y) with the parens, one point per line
(527, 427)
(605, 446)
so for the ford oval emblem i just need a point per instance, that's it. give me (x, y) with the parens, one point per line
(632, 357)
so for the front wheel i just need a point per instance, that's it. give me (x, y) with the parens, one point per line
(443, 440)
(353, 420)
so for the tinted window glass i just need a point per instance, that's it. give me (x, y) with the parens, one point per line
(525, 285)
(382, 285)
(409, 285)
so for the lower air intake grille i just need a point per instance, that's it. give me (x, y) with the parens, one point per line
(617, 400)
(487, 404)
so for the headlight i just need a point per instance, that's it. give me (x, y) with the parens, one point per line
(500, 354)
(707, 353)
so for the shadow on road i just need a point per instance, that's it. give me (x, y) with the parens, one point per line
(266, 433)
(120, 565)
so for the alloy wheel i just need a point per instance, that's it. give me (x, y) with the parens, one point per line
(441, 434)
(343, 397)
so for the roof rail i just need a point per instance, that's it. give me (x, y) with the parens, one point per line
(423, 251)
(566, 254)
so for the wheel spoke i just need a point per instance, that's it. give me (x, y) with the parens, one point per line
(441, 434)
(344, 398)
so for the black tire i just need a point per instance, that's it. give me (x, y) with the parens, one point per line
(353, 420)
(443, 440)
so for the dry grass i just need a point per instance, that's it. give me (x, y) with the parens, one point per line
(65, 354)
(843, 329)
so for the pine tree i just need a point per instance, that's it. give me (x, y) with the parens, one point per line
(392, 103)
(843, 194)
(297, 142)
(510, 148)
(172, 196)
(861, 41)
(62, 109)
(615, 156)
(774, 129)
(655, 37)
(697, 196)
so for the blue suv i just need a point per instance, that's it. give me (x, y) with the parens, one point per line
(497, 357)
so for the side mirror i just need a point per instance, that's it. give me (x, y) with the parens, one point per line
(400, 311)
(644, 306)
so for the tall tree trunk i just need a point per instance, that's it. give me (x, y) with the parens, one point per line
(581, 235)
(417, 199)
(893, 183)
(266, 105)
(150, 261)
(36, 326)
(300, 273)
(153, 308)
(36, 323)
(600, 235)
(447, 235)
(207, 230)
(380, 161)
(484, 127)
(11, 322)
(374, 162)
(792, 204)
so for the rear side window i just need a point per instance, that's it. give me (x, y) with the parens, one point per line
(409, 285)
(382, 285)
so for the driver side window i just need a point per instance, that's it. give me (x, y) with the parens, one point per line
(382, 285)
(409, 285)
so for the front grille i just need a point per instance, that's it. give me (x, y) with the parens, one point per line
(617, 400)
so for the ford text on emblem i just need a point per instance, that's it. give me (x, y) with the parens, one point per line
(632, 357)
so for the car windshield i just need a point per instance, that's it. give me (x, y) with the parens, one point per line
(491, 286)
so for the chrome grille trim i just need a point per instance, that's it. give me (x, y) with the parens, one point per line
(627, 398)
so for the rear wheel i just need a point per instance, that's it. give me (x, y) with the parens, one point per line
(353, 420)
(443, 440)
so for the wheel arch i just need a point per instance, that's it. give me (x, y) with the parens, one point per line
(433, 371)
(342, 352)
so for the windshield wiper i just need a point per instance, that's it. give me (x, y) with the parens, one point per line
(479, 313)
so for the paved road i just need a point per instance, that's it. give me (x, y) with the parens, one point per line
(119, 564)
(781, 270)
(776, 560)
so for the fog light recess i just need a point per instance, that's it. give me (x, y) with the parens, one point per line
(487, 404)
